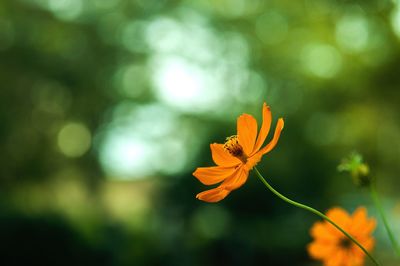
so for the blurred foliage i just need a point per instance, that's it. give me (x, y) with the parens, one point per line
(107, 106)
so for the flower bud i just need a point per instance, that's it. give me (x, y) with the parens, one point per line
(358, 170)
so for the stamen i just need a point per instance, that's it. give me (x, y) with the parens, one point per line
(234, 148)
(345, 243)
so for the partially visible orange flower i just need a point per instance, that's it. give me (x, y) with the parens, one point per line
(237, 156)
(332, 247)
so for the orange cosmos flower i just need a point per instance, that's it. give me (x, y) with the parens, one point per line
(335, 249)
(237, 156)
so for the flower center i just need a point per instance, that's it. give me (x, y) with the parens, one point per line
(234, 148)
(345, 243)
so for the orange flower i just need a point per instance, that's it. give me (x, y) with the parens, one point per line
(237, 156)
(335, 249)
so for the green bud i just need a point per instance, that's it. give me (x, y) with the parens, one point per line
(358, 170)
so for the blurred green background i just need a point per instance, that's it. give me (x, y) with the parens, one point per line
(108, 106)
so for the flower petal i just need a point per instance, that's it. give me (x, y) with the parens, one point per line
(267, 148)
(355, 258)
(320, 250)
(339, 216)
(361, 225)
(213, 175)
(320, 231)
(367, 243)
(247, 132)
(221, 157)
(236, 180)
(213, 195)
(337, 258)
(252, 161)
(265, 127)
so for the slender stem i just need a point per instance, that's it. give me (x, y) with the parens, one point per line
(320, 214)
(375, 197)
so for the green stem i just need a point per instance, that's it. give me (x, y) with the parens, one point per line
(320, 214)
(375, 197)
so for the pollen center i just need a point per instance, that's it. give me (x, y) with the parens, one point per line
(345, 243)
(234, 148)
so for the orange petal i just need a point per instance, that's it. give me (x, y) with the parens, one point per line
(253, 161)
(339, 216)
(266, 125)
(367, 242)
(267, 148)
(321, 232)
(338, 258)
(355, 258)
(221, 157)
(320, 250)
(247, 132)
(213, 175)
(237, 180)
(361, 225)
(213, 195)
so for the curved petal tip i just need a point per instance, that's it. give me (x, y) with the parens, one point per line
(213, 195)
